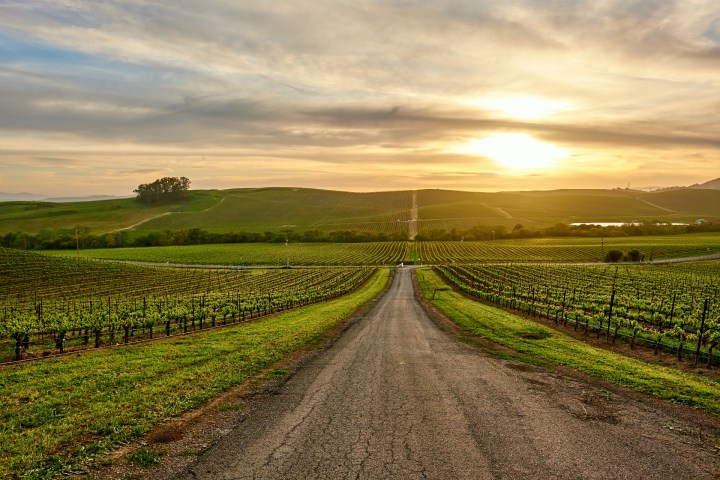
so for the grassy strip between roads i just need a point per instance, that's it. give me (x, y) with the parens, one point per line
(57, 414)
(535, 343)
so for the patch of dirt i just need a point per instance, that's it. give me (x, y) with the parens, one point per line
(533, 335)
(584, 401)
(525, 367)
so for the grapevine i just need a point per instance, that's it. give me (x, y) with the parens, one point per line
(644, 303)
(53, 305)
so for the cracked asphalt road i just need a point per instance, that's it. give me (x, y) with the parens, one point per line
(395, 397)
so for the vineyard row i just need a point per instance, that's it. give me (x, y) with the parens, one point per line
(648, 305)
(54, 326)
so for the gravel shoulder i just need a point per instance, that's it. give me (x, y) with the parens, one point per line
(398, 397)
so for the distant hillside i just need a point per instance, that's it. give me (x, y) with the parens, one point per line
(19, 197)
(709, 185)
(96, 216)
(302, 209)
(273, 209)
(444, 209)
(89, 198)
(33, 197)
(712, 184)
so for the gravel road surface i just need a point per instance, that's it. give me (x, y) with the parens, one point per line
(395, 397)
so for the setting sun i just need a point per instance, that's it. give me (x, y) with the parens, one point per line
(514, 151)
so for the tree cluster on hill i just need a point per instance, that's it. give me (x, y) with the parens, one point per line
(163, 190)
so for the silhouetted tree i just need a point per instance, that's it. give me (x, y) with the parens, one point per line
(613, 256)
(163, 190)
(634, 255)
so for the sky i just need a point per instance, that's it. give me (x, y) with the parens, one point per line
(99, 96)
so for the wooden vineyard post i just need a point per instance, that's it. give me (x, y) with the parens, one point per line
(532, 304)
(109, 320)
(610, 310)
(700, 333)
(672, 309)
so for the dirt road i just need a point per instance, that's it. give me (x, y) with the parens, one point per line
(397, 398)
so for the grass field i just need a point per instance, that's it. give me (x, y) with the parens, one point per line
(462, 210)
(59, 414)
(534, 343)
(300, 209)
(98, 216)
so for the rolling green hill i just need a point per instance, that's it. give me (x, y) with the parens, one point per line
(274, 209)
(97, 216)
(301, 209)
(450, 209)
(536, 209)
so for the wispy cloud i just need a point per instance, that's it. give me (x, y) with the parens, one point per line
(54, 161)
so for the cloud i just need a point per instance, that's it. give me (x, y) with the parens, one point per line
(120, 85)
(441, 124)
(54, 161)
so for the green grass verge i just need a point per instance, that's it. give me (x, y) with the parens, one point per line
(535, 343)
(411, 253)
(57, 414)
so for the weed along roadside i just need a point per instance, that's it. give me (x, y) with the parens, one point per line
(60, 415)
(527, 341)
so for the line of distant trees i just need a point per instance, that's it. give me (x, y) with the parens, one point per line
(50, 239)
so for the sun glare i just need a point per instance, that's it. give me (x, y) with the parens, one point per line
(524, 108)
(514, 151)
